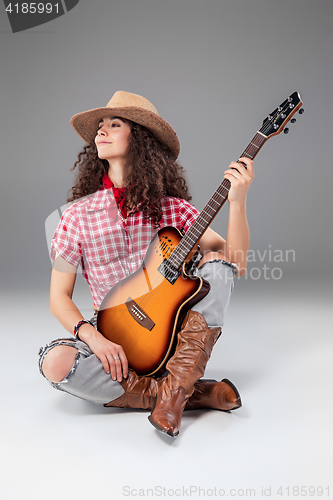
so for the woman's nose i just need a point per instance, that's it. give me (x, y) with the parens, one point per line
(102, 130)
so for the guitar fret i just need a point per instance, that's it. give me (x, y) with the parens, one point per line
(209, 208)
(257, 140)
(214, 201)
(262, 134)
(224, 195)
(202, 215)
(203, 227)
(182, 255)
(220, 195)
(247, 154)
(195, 230)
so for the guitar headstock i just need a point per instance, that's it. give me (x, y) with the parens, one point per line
(276, 121)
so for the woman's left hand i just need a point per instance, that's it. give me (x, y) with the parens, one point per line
(240, 178)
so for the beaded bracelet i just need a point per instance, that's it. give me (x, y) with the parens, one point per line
(78, 325)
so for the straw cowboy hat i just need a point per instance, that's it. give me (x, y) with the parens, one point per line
(134, 108)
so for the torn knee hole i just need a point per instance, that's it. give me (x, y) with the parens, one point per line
(58, 362)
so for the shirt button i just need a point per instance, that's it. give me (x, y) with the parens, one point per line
(102, 259)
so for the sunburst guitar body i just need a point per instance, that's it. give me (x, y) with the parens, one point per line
(143, 312)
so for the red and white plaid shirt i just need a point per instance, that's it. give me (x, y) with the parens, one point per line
(93, 233)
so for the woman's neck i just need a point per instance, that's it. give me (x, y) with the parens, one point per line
(115, 173)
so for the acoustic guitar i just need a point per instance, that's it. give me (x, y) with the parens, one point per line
(144, 311)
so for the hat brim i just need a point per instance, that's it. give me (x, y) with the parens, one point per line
(85, 124)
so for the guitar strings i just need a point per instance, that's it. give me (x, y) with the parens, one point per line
(147, 296)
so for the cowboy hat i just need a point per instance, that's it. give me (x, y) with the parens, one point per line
(134, 108)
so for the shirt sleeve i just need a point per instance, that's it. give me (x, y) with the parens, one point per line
(66, 239)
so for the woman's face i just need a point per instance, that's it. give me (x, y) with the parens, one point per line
(112, 138)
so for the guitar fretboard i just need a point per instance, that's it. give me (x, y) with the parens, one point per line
(213, 206)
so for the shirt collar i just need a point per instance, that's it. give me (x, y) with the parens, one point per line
(103, 198)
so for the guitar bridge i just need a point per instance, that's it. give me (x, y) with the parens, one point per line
(138, 314)
(169, 271)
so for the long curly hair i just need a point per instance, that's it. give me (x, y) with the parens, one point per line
(150, 173)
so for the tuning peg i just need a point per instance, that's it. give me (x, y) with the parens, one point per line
(293, 120)
(286, 130)
(301, 111)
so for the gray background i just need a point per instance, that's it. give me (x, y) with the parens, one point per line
(214, 70)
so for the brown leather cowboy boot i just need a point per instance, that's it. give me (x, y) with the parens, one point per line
(214, 395)
(141, 392)
(187, 365)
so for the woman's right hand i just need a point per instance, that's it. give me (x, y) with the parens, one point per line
(106, 352)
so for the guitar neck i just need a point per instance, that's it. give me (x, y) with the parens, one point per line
(203, 221)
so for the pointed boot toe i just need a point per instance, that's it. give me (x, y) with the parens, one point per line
(215, 395)
(167, 414)
(232, 395)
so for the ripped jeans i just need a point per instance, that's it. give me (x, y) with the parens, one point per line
(87, 378)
